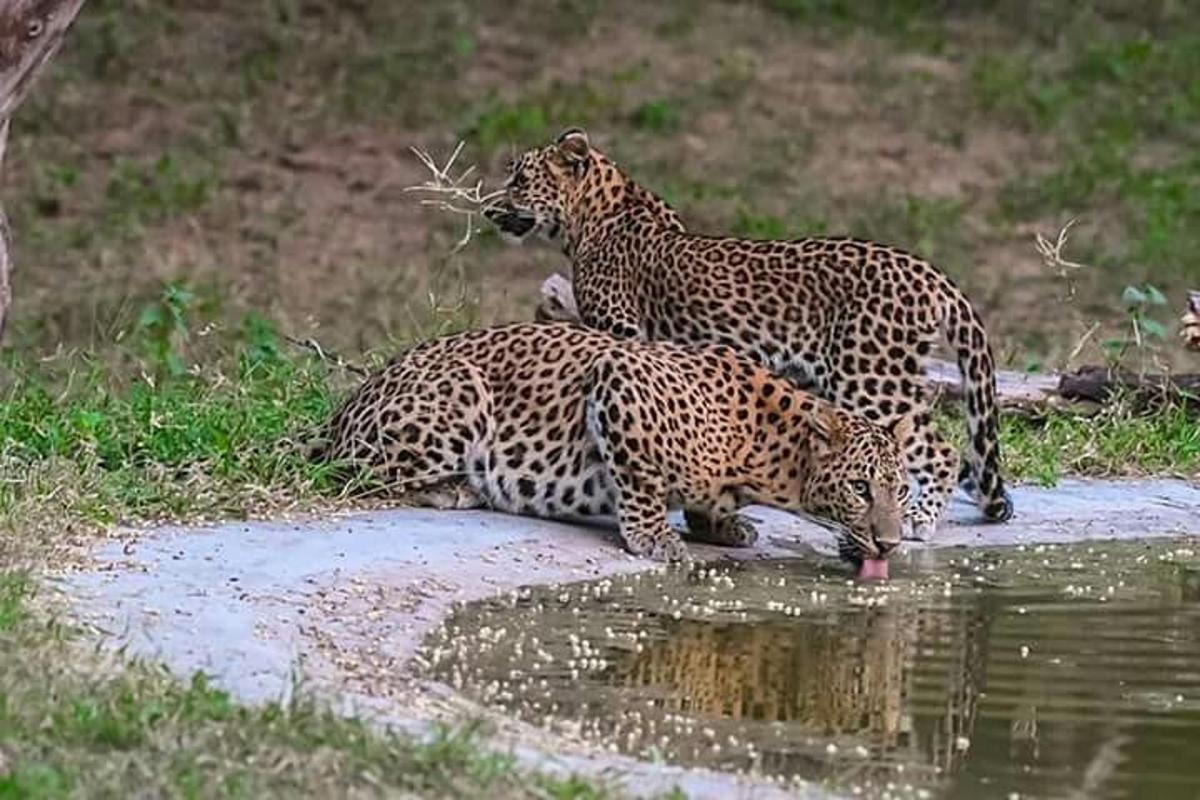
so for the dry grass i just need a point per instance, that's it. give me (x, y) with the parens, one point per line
(459, 196)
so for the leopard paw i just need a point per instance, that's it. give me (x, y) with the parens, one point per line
(917, 527)
(665, 548)
(738, 532)
(731, 531)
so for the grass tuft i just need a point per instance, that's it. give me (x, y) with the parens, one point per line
(81, 446)
(1114, 443)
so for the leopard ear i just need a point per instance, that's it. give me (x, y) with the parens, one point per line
(827, 427)
(573, 145)
(901, 429)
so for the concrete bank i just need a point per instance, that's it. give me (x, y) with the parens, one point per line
(342, 604)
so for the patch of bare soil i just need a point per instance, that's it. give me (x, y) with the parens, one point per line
(309, 222)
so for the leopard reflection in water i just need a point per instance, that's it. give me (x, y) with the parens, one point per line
(1044, 672)
(844, 678)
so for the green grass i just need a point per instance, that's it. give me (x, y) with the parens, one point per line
(164, 446)
(162, 118)
(76, 722)
(1111, 443)
(658, 116)
(539, 115)
(146, 432)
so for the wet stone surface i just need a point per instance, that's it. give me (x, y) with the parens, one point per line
(1030, 671)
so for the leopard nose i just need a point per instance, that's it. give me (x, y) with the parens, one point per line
(885, 547)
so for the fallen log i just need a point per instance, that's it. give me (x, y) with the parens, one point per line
(1081, 391)
(30, 33)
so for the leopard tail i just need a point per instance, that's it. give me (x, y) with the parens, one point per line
(980, 474)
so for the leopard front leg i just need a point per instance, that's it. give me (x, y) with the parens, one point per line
(933, 464)
(640, 490)
(718, 523)
(642, 515)
(605, 300)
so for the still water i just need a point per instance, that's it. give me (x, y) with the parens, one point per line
(1064, 672)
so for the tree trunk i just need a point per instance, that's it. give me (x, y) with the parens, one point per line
(30, 33)
(1017, 391)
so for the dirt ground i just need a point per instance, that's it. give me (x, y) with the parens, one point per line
(259, 153)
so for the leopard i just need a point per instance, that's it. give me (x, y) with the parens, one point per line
(556, 420)
(850, 319)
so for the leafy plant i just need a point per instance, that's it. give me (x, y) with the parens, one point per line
(163, 330)
(1140, 303)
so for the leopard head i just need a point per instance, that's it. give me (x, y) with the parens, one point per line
(857, 480)
(541, 186)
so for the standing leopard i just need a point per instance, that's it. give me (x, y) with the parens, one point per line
(852, 320)
(557, 420)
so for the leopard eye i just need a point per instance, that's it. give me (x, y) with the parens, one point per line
(862, 489)
(34, 29)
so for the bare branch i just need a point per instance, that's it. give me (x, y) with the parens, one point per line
(1083, 340)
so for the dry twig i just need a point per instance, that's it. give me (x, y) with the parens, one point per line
(1052, 255)
(327, 356)
(452, 194)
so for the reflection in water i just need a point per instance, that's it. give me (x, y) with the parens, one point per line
(839, 677)
(1055, 672)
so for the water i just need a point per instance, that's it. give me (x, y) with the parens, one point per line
(1064, 672)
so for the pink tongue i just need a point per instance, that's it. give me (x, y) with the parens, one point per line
(873, 569)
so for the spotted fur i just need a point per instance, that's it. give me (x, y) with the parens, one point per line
(557, 420)
(852, 320)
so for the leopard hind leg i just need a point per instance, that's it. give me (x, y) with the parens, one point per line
(420, 430)
(932, 462)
